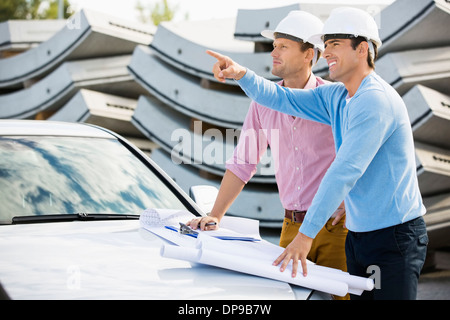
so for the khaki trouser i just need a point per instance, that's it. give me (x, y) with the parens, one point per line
(328, 247)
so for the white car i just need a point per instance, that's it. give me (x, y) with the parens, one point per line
(71, 197)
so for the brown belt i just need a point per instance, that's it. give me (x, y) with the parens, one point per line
(295, 215)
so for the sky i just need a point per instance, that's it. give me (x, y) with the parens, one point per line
(199, 9)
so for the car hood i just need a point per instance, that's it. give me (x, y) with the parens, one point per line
(115, 260)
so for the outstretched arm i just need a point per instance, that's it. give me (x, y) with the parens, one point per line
(304, 103)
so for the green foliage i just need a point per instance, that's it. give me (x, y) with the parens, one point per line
(31, 9)
(157, 12)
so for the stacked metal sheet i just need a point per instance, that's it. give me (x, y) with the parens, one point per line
(155, 85)
(108, 75)
(87, 35)
(184, 93)
(429, 112)
(17, 36)
(88, 51)
(183, 44)
(102, 109)
(414, 24)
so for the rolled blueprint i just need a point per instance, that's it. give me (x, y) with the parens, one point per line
(251, 257)
(353, 282)
(269, 252)
(254, 267)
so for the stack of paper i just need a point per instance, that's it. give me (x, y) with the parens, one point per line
(251, 257)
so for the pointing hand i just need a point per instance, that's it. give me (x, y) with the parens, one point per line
(226, 68)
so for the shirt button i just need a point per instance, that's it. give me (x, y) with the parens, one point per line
(296, 148)
(298, 188)
(295, 128)
(297, 168)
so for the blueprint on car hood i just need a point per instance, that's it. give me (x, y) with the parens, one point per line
(251, 257)
(230, 228)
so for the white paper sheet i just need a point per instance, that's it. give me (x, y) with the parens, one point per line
(229, 227)
(252, 257)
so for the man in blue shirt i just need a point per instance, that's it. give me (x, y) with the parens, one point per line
(374, 169)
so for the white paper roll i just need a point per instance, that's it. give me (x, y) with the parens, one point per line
(252, 266)
(256, 258)
(181, 253)
(269, 252)
(353, 282)
(266, 269)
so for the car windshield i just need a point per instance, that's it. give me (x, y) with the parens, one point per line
(63, 175)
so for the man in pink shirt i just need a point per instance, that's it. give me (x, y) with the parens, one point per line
(302, 150)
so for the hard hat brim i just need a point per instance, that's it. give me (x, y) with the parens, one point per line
(269, 34)
(316, 40)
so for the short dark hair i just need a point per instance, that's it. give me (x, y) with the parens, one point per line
(355, 42)
(306, 45)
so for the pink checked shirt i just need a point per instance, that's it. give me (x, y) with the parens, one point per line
(302, 151)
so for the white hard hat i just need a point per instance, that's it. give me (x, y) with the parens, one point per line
(299, 24)
(352, 22)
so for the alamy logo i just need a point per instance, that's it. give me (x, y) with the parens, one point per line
(214, 147)
(73, 277)
(74, 21)
(375, 275)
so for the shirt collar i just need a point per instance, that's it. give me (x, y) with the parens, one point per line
(311, 84)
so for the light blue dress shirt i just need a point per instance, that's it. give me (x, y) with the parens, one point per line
(374, 169)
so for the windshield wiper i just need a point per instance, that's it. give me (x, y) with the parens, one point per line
(73, 217)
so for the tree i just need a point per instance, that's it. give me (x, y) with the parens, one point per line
(158, 12)
(31, 9)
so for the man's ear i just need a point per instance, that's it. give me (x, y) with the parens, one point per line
(310, 54)
(363, 47)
